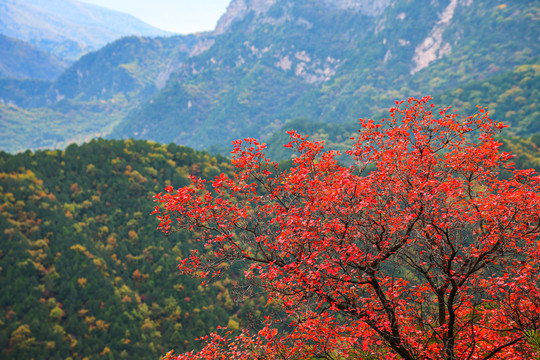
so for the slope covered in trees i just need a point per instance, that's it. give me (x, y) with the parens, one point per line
(313, 59)
(91, 96)
(83, 272)
(21, 60)
(510, 97)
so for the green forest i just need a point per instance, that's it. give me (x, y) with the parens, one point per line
(83, 271)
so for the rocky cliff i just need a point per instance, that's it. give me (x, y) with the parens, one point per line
(238, 9)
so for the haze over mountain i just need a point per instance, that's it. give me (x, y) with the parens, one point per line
(272, 61)
(20, 60)
(68, 28)
(91, 96)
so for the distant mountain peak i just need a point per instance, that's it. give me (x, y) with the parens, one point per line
(68, 28)
(238, 9)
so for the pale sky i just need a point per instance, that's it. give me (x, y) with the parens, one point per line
(179, 16)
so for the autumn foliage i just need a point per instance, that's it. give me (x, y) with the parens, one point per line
(426, 248)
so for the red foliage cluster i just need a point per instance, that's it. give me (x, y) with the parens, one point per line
(422, 250)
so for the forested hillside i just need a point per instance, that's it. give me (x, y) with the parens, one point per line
(19, 60)
(84, 272)
(511, 97)
(330, 61)
(91, 96)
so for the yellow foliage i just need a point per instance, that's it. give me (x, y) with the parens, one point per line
(78, 247)
(82, 282)
(133, 235)
(233, 324)
(100, 264)
(21, 337)
(106, 351)
(102, 325)
(56, 313)
(89, 320)
(148, 325)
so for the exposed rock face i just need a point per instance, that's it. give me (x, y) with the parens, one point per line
(237, 9)
(433, 47)
(367, 7)
(163, 76)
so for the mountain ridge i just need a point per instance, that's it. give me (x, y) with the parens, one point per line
(288, 57)
(19, 60)
(287, 60)
(238, 9)
(68, 28)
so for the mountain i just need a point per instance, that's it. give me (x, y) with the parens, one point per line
(83, 271)
(21, 60)
(91, 96)
(68, 28)
(270, 62)
(330, 61)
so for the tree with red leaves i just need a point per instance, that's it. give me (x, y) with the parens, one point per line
(426, 248)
